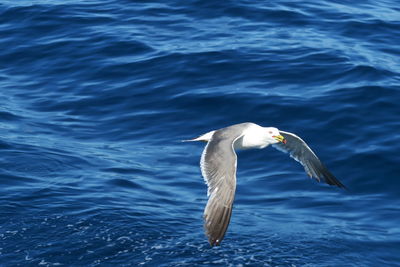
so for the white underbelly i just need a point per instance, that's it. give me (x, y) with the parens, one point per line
(245, 142)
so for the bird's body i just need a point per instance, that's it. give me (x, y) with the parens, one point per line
(218, 167)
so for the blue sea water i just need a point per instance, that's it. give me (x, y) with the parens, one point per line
(95, 97)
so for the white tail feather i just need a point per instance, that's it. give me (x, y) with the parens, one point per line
(205, 137)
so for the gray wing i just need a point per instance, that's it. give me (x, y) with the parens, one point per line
(301, 152)
(218, 167)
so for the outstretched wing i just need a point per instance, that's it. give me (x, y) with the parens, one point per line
(300, 151)
(218, 167)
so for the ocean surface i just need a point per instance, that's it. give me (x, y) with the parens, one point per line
(96, 96)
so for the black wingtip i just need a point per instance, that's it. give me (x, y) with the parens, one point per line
(322, 172)
(339, 184)
(332, 180)
(217, 225)
(214, 242)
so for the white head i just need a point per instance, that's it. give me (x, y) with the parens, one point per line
(274, 136)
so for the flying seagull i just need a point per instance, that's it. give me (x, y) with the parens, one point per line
(218, 167)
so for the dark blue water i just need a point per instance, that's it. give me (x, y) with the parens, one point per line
(95, 97)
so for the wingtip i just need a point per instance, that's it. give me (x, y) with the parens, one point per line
(327, 176)
(214, 242)
(343, 187)
(336, 182)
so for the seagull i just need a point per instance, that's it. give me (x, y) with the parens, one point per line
(218, 167)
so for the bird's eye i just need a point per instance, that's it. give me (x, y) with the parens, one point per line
(270, 132)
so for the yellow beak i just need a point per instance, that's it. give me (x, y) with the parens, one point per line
(280, 138)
